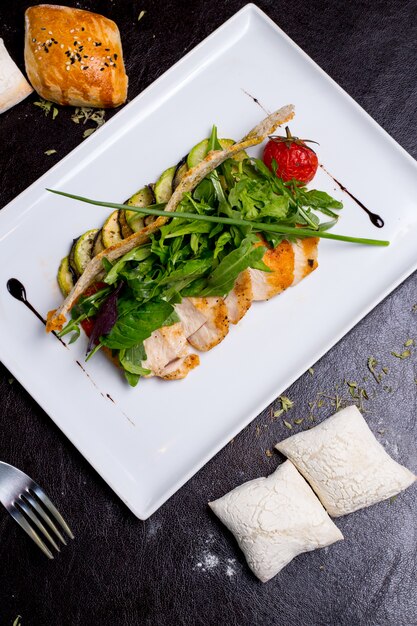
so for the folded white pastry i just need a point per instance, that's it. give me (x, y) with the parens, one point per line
(13, 85)
(274, 519)
(345, 464)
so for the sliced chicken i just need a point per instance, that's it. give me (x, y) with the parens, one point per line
(216, 327)
(165, 346)
(190, 317)
(239, 300)
(289, 262)
(305, 257)
(180, 367)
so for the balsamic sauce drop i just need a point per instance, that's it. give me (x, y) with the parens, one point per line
(374, 218)
(18, 291)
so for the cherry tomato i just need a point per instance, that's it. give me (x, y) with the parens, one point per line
(294, 159)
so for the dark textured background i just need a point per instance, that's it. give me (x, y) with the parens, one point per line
(120, 571)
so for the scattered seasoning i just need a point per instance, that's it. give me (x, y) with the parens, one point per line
(286, 405)
(311, 370)
(392, 499)
(299, 421)
(86, 114)
(414, 308)
(141, 15)
(372, 363)
(401, 355)
(269, 453)
(287, 424)
(17, 621)
(49, 152)
(47, 107)
(385, 370)
(381, 431)
(321, 567)
(409, 342)
(387, 388)
(10, 381)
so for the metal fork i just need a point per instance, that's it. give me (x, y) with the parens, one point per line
(29, 505)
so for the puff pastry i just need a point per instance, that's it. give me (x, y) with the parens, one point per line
(274, 519)
(344, 463)
(13, 85)
(74, 57)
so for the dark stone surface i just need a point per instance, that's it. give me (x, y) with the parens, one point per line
(131, 573)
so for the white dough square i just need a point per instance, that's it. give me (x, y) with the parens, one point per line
(344, 463)
(274, 519)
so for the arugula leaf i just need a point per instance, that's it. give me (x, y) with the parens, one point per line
(223, 278)
(132, 379)
(189, 228)
(138, 324)
(131, 360)
(137, 254)
(221, 242)
(186, 273)
(320, 200)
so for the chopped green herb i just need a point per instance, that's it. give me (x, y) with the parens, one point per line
(392, 499)
(414, 308)
(269, 453)
(286, 405)
(88, 114)
(299, 421)
(17, 621)
(49, 152)
(385, 370)
(141, 15)
(372, 363)
(408, 343)
(10, 380)
(401, 355)
(311, 370)
(47, 107)
(287, 424)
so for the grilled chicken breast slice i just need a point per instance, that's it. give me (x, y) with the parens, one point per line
(190, 317)
(289, 263)
(179, 368)
(239, 300)
(165, 345)
(216, 326)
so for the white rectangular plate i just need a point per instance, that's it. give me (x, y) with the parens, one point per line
(146, 442)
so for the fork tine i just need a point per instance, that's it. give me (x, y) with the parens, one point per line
(39, 510)
(52, 509)
(35, 519)
(21, 520)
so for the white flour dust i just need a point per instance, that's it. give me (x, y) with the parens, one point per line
(209, 562)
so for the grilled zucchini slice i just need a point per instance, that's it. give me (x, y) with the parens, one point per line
(71, 260)
(98, 244)
(180, 170)
(123, 224)
(143, 197)
(110, 233)
(163, 186)
(66, 277)
(82, 250)
(197, 154)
